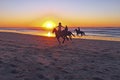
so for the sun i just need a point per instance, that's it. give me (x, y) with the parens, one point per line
(49, 25)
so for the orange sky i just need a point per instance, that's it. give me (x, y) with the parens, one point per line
(83, 13)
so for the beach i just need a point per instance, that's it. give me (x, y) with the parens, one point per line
(30, 57)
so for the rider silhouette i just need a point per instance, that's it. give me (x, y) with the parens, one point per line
(79, 29)
(64, 31)
(66, 28)
(59, 27)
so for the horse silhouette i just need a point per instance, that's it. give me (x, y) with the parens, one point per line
(63, 34)
(69, 34)
(79, 32)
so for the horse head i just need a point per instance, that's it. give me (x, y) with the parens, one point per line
(54, 30)
(76, 30)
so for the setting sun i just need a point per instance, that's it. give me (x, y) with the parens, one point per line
(49, 25)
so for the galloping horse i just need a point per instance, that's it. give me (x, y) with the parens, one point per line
(69, 34)
(80, 32)
(63, 34)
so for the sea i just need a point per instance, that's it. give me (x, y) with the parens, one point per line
(104, 33)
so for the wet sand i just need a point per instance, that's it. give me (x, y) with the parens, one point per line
(26, 57)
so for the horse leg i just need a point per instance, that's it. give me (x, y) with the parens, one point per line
(70, 37)
(63, 39)
(58, 40)
(84, 34)
(73, 35)
(81, 34)
(67, 38)
(77, 34)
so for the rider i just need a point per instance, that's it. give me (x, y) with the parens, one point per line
(79, 29)
(59, 27)
(60, 30)
(66, 29)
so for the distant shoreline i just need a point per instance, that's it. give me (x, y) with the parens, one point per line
(105, 33)
(83, 37)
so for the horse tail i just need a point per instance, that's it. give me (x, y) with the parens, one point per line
(83, 33)
(72, 34)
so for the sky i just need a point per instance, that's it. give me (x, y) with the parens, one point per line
(84, 13)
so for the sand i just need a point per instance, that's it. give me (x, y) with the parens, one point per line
(27, 57)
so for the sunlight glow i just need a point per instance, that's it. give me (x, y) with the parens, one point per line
(49, 25)
(49, 34)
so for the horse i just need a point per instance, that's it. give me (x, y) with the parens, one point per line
(63, 34)
(80, 32)
(69, 34)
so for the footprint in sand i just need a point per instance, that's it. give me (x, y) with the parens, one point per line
(13, 65)
(105, 50)
(40, 69)
(1, 62)
(57, 78)
(69, 77)
(97, 78)
(100, 72)
(26, 79)
(14, 71)
(115, 77)
(42, 77)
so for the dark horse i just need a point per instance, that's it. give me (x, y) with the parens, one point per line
(63, 34)
(79, 32)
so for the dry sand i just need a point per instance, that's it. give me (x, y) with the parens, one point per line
(26, 57)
